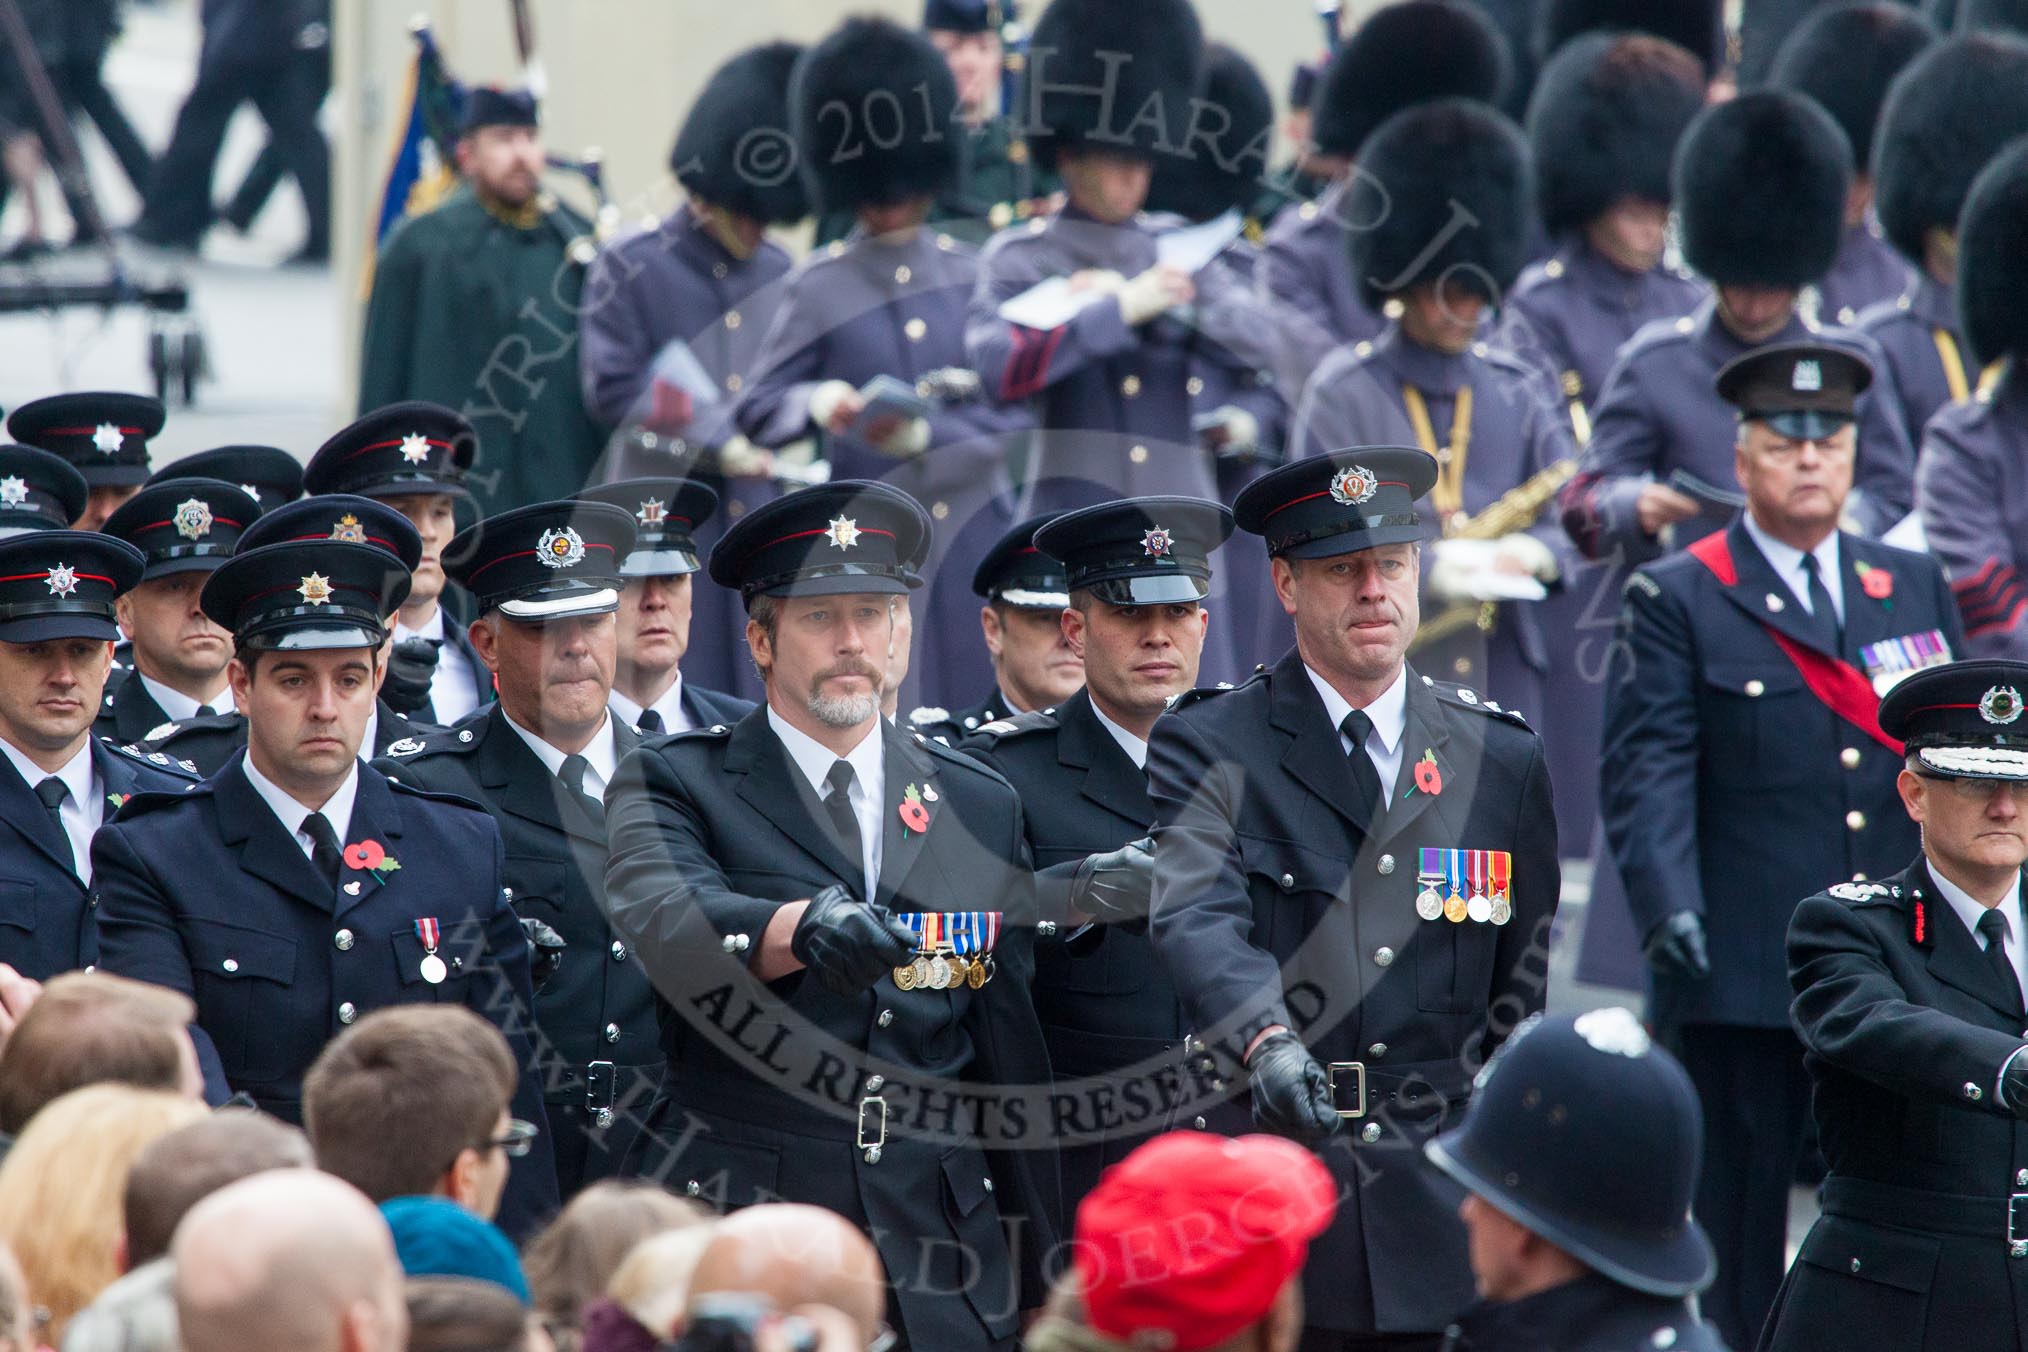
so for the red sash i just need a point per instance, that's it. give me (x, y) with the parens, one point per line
(1840, 686)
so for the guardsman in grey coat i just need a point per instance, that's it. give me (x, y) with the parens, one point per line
(674, 316)
(1973, 476)
(1401, 54)
(821, 899)
(1137, 571)
(1908, 1001)
(297, 889)
(885, 309)
(1490, 420)
(1354, 900)
(547, 581)
(59, 783)
(1948, 114)
(1106, 359)
(1743, 766)
(1846, 57)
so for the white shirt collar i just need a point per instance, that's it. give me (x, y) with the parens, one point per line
(76, 773)
(1389, 713)
(1787, 561)
(1136, 749)
(177, 706)
(599, 754)
(433, 627)
(814, 759)
(1969, 909)
(337, 808)
(670, 706)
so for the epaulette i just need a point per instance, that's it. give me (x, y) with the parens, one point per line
(1864, 894)
(926, 715)
(1035, 720)
(432, 795)
(943, 750)
(154, 760)
(456, 741)
(164, 733)
(1495, 355)
(154, 800)
(1464, 697)
(1203, 692)
(1659, 333)
(1643, 584)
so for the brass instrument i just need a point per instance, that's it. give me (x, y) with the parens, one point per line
(1516, 509)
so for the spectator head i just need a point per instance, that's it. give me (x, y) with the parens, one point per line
(137, 1313)
(17, 1323)
(1196, 1242)
(177, 1171)
(570, 1263)
(435, 1237)
(458, 1314)
(652, 1286)
(61, 1186)
(288, 1258)
(413, 1100)
(790, 1255)
(89, 1027)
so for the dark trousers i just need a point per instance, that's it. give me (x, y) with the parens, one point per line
(1756, 1097)
(265, 174)
(1336, 1340)
(179, 198)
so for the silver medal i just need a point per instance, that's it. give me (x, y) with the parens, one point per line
(1479, 909)
(1428, 904)
(433, 969)
(1503, 911)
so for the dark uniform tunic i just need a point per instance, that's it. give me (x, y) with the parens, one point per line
(1972, 482)
(1915, 330)
(1906, 1027)
(1728, 788)
(209, 741)
(45, 908)
(480, 314)
(129, 712)
(207, 893)
(1590, 1314)
(1277, 901)
(1306, 267)
(643, 292)
(780, 1092)
(596, 1014)
(1106, 1002)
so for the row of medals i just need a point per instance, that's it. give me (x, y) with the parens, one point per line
(1458, 908)
(944, 970)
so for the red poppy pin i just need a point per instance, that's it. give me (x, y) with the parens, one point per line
(1877, 583)
(914, 816)
(369, 856)
(1428, 777)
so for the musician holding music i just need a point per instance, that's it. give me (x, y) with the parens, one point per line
(1745, 767)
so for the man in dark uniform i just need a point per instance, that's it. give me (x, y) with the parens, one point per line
(475, 306)
(657, 593)
(1368, 889)
(1845, 57)
(58, 783)
(1760, 192)
(267, 474)
(297, 889)
(797, 867)
(1740, 696)
(1908, 1001)
(1945, 118)
(547, 581)
(1402, 54)
(210, 741)
(1138, 572)
(185, 529)
(417, 458)
(1034, 665)
(1582, 1238)
(38, 491)
(887, 306)
(103, 435)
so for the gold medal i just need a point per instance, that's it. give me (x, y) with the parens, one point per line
(977, 976)
(1428, 904)
(961, 970)
(1479, 909)
(904, 977)
(1454, 908)
(1503, 911)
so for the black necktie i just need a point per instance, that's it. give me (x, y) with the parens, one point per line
(206, 711)
(1822, 613)
(649, 721)
(52, 791)
(572, 774)
(1993, 929)
(1365, 778)
(324, 855)
(844, 822)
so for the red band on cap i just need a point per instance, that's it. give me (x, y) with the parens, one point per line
(383, 445)
(523, 554)
(1325, 493)
(43, 576)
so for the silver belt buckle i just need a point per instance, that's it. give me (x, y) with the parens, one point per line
(1357, 1072)
(2017, 1225)
(878, 1124)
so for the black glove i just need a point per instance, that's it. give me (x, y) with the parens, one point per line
(1116, 885)
(1291, 1093)
(849, 943)
(1677, 945)
(2014, 1086)
(409, 669)
(545, 950)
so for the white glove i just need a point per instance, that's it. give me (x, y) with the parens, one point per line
(739, 458)
(1453, 570)
(827, 399)
(1235, 430)
(1151, 293)
(1529, 554)
(906, 441)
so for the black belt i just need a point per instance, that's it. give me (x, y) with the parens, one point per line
(2002, 1217)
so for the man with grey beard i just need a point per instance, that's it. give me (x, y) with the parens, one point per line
(826, 904)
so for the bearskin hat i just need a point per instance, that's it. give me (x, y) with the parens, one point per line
(1760, 189)
(1846, 57)
(1604, 122)
(1992, 16)
(872, 106)
(1115, 74)
(736, 148)
(1697, 26)
(1993, 257)
(1415, 173)
(1404, 54)
(1223, 160)
(1945, 117)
